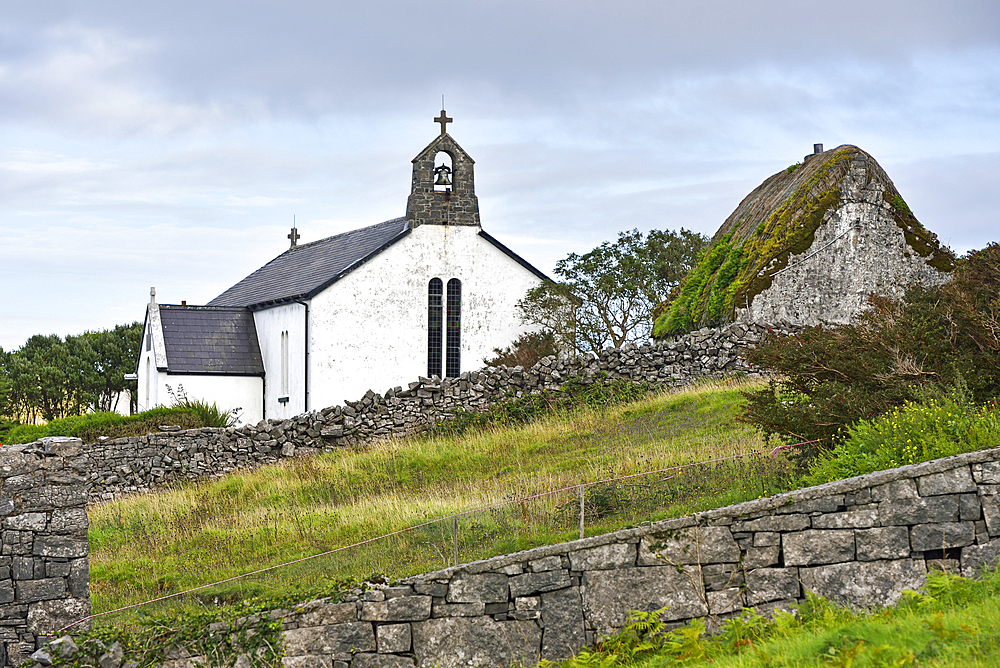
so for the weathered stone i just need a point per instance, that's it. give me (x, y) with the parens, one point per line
(42, 657)
(393, 638)
(458, 610)
(610, 595)
(113, 657)
(761, 557)
(307, 661)
(824, 504)
(882, 543)
(935, 509)
(942, 536)
(29, 591)
(865, 584)
(991, 513)
(562, 617)
(898, 489)
(979, 558)
(79, 578)
(532, 583)
(26, 522)
(766, 539)
(613, 555)
(986, 473)
(338, 640)
(478, 588)
(431, 588)
(63, 646)
(401, 609)
(859, 518)
(818, 546)
(322, 613)
(771, 584)
(725, 601)
(704, 545)
(968, 507)
(774, 523)
(60, 546)
(458, 642)
(552, 563)
(50, 616)
(954, 481)
(381, 661)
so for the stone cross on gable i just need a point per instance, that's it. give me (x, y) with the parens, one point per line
(294, 236)
(444, 121)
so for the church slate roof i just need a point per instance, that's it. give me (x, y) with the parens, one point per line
(304, 271)
(207, 340)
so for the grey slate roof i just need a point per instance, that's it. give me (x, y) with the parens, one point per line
(301, 272)
(210, 340)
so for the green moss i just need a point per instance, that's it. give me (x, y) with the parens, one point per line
(923, 242)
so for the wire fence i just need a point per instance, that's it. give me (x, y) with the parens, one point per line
(545, 517)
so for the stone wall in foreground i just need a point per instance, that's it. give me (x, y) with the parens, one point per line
(142, 463)
(859, 542)
(44, 572)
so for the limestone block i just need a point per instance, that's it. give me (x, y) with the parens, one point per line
(609, 596)
(818, 546)
(28, 591)
(337, 640)
(69, 520)
(978, 558)
(478, 588)
(771, 584)
(613, 555)
(766, 539)
(381, 661)
(954, 481)
(458, 642)
(968, 507)
(26, 522)
(898, 489)
(986, 473)
(942, 536)
(761, 557)
(402, 609)
(393, 638)
(532, 583)
(562, 618)
(60, 546)
(431, 588)
(705, 545)
(934, 509)
(882, 543)
(774, 523)
(50, 616)
(727, 600)
(824, 504)
(991, 513)
(322, 613)
(552, 563)
(865, 584)
(458, 610)
(859, 518)
(307, 661)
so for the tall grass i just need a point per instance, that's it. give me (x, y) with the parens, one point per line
(149, 545)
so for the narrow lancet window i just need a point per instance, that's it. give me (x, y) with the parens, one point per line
(453, 357)
(434, 334)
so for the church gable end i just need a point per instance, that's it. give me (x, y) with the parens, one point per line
(443, 190)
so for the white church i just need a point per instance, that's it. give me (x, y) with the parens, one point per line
(428, 294)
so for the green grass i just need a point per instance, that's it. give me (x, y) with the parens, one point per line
(91, 426)
(953, 622)
(150, 545)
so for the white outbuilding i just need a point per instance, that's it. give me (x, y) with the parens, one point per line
(428, 294)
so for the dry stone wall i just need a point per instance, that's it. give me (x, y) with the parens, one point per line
(859, 542)
(142, 463)
(44, 572)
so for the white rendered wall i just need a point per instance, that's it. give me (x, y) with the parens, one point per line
(226, 392)
(147, 374)
(369, 329)
(270, 323)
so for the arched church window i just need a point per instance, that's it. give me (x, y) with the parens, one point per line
(434, 334)
(443, 171)
(453, 356)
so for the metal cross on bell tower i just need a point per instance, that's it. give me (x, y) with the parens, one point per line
(444, 121)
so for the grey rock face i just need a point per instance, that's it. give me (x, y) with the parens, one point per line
(942, 536)
(564, 633)
(865, 585)
(481, 588)
(882, 543)
(459, 642)
(697, 545)
(337, 640)
(771, 584)
(615, 555)
(609, 596)
(818, 546)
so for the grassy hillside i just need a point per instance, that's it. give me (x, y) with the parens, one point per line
(146, 546)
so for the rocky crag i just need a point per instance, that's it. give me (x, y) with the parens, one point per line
(808, 246)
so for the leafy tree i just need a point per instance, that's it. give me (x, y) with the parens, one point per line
(608, 296)
(931, 343)
(525, 351)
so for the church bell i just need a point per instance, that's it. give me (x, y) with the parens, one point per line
(442, 176)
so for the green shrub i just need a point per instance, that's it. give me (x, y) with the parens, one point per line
(92, 426)
(209, 414)
(914, 433)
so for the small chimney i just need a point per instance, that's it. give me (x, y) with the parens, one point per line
(817, 148)
(152, 295)
(184, 302)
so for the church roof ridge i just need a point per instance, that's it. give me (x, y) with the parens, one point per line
(305, 270)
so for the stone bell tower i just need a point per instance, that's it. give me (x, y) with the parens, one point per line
(443, 190)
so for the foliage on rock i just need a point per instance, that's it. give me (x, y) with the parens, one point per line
(932, 342)
(92, 426)
(526, 350)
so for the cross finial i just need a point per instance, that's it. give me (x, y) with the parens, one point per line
(294, 236)
(444, 121)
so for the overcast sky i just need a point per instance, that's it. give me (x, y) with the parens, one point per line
(171, 144)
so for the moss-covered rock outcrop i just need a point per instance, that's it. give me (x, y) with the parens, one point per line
(829, 231)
